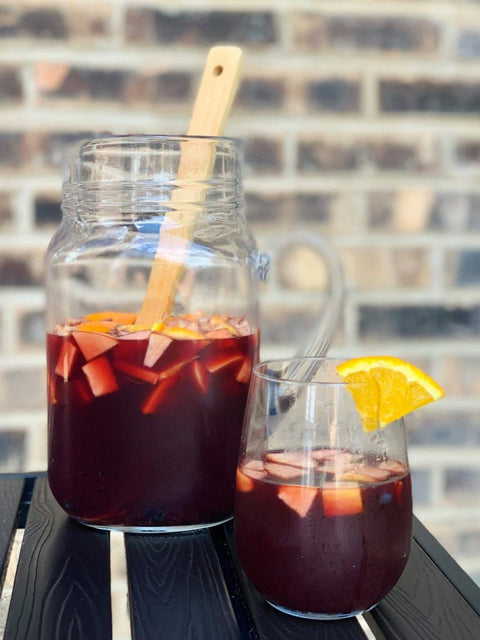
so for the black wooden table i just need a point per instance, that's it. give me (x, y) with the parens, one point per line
(183, 586)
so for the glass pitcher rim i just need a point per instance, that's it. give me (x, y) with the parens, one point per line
(289, 364)
(144, 138)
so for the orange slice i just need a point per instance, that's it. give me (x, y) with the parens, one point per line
(181, 333)
(401, 388)
(115, 316)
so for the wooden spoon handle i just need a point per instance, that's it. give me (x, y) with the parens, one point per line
(214, 99)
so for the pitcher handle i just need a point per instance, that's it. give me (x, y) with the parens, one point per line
(320, 341)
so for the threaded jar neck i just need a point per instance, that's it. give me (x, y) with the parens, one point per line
(121, 178)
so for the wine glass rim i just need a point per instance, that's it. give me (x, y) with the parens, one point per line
(261, 370)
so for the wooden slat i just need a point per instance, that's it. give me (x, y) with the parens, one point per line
(425, 604)
(10, 496)
(62, 586)
(271, 624)
(176, 588)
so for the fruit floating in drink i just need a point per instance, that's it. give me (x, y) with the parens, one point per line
(323, 506)
(145, 422)
(334, 532)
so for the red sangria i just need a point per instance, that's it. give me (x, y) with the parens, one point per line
(145, 422)
(334, 533)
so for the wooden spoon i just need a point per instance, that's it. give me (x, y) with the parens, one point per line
(214, 99)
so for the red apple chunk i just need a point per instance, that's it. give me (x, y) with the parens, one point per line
(100, 376)
(342, 500)
(93, 344)
(66, 360)
(298, 498)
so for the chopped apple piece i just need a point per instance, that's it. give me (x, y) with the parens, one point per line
(220, 360)
(298, 498)
(100, 376)
(200, 375)
(399, 492)
(135, 335)
(244, 373)
(218, 334)
(157, 395)
(342, 500)
(174, 368)
(52, 393)
(243, 482)
(291, 458)
(320, 455)
(157, 344)
(393, 466)
(135, 371)
(93, 344)
(283, 471)
(66, 360)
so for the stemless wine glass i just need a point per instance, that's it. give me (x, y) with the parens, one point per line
(323, 508)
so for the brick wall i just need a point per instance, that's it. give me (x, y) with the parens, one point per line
(361, 123)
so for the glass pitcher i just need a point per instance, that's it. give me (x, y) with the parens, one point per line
(152, 332)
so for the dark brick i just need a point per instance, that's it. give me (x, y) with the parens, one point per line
(12, 450)
(11, 146)
(461, 480)
(386, 34)
(421, 486)
(334, 95)
(323, 156)
(261, 93)
(47, 211)
(381, 209)
(454, 212)
(468, 153)
(312, 208)
(352, 155)
(8, 21)
(92, 83)
(172, 87)
(32, 328)
(266, 208)
(313, 32)
(263, 156)
(468, 44)
(10, 85)
(15, 272)
(43, 23)
(147, 25)
(467, 270)
(450, 212)
(428, 96)
(446, 428)
(418, 322)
